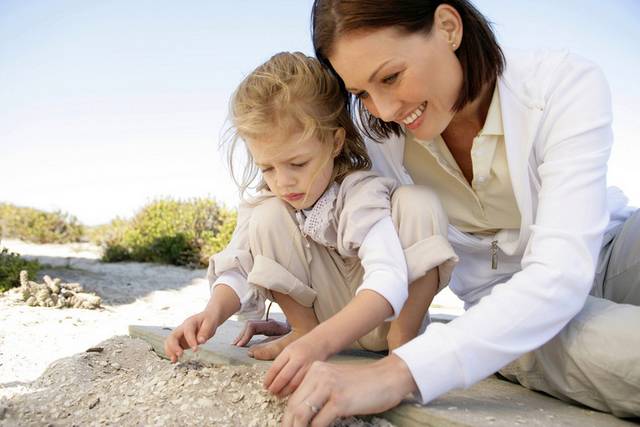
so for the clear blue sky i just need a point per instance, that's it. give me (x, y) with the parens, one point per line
(105, 105)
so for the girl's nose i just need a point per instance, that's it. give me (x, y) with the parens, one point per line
(285, 179)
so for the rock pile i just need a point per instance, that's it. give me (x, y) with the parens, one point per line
(55, 293)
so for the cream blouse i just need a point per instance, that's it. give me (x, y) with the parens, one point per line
(488, 204)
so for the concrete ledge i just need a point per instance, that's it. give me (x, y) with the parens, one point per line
(491, 402)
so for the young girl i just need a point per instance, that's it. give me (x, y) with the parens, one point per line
(332, 243)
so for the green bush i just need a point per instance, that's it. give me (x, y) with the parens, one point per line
(220, 241)
(168, 231)
(10, 266)
(33, 225)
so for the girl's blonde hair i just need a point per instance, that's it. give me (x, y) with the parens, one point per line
(292, 92)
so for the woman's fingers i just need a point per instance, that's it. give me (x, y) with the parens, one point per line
(308, 400)
(344, 390)
(327, 414)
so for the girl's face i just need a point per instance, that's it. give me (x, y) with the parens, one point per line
(411, 79)
(297, 171)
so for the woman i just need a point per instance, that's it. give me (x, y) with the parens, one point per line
(516, 147)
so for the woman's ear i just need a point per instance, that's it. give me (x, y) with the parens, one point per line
(338, 142)
(448, 23)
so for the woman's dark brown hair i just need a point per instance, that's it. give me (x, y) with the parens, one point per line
(480, 55)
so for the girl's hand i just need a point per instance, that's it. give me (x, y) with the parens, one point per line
(330, 391)
(289, 368)
(270, 328)
(197, 329)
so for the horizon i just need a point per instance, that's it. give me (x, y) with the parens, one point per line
(108, 106)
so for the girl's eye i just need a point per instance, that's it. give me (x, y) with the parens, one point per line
(390, 78)
(361, 95)
(299, 165)
(266, 170)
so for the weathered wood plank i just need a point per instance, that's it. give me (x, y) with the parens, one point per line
(219, 348)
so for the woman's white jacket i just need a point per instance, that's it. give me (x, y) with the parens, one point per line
(556, 112)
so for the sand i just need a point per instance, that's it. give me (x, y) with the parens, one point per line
(47, 376)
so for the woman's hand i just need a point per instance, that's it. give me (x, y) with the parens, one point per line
(330, 391)
(270, 328)
(197, 329)
(289, 368)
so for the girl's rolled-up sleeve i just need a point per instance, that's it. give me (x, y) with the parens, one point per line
(232, 265)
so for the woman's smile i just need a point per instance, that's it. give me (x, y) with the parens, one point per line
(414, 119)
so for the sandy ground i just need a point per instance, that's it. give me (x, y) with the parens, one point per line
(46, 374)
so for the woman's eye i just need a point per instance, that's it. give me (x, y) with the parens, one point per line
(266, 170)
(390, 78)
(361, 95)
(299, 165)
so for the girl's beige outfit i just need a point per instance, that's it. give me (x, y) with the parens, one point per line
(323, 256)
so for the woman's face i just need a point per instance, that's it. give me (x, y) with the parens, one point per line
(411, 79)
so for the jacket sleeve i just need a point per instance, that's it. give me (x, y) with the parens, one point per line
(232, 265)
(559, 262)
(363, 200)
(385, 268)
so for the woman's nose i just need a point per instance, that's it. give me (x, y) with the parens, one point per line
(387, 107)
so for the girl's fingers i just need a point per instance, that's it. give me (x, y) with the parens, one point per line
(206, 331)
(245, 336)
(190, 334)
(294, 383)
(275, 368)
(270, 328)
(284, 377)
(274, 328)
(172, 345)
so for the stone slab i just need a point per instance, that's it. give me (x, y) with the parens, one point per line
(491, 402)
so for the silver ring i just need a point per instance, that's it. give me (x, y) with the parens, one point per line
(313, 408)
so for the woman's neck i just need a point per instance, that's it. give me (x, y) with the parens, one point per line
(469, 121)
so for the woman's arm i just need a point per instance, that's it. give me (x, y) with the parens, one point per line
(535, 304)
(559, 262)
(347, 389)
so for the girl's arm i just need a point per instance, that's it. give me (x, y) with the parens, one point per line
(232, 265)
(198, 328)
(379, 298)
